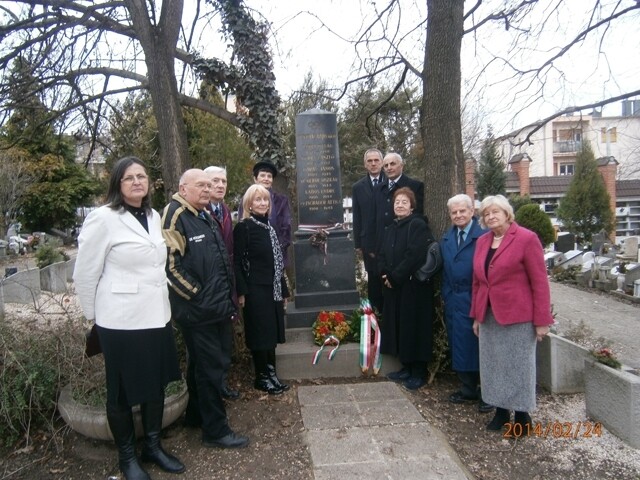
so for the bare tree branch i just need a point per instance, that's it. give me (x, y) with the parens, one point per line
(535, 126)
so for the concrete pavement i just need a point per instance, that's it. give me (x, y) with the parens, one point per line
(373, 431)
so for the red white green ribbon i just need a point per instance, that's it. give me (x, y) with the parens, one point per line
(369, 340)
(331, 339)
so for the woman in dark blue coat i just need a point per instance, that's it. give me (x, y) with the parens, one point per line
(407, 319)
(458, 246)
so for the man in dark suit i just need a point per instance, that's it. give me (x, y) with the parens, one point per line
(364, 222)
(393, 166)
(222, 216)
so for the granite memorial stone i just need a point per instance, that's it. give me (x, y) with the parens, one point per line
(324, 252)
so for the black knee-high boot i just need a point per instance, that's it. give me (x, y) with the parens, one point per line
(271, 369)
(152, 450)
(121, 423)
(263, 382)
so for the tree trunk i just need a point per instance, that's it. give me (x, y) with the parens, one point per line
(441, 129)
(159, 45)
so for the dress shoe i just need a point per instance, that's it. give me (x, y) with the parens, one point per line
(264, 384)
(230, 440)
(414, 383)
(229, 393)
(460, 397)
(484, 407)
(399, 376)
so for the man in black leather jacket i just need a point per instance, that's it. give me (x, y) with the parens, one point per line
(200, 292)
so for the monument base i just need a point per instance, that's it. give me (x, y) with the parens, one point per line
(325, 277)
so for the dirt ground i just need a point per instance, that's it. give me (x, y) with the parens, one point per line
(277, 448)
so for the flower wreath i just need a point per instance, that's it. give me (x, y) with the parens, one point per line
(328, 324)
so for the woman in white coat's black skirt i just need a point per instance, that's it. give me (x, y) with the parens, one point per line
(407, 317)
(261, 287)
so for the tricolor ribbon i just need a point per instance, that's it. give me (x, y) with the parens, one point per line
(327, 341)
(369, 340)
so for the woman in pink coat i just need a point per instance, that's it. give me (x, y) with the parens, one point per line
(511, 308)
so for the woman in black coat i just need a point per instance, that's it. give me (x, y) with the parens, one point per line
(408, 304)
(261, 286)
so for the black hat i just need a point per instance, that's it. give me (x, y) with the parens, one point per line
(266, 166)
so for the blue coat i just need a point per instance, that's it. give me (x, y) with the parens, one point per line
(457, 279)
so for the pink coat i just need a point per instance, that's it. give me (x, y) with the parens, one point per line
(517, 287)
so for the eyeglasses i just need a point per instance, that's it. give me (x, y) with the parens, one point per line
(132, 178)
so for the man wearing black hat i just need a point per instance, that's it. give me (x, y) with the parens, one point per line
(280, 217)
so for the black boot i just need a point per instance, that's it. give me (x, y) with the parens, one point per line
(152, 450)
(263, 381)
(501, 417)
(121, 424)
(522, 418)
(271, 370)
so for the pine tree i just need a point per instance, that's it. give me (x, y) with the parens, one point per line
(491, 177)
(530, 216)
(57, 186)
(585, 208)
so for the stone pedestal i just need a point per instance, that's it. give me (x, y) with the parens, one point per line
(323, 282)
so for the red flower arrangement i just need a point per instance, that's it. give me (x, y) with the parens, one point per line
(330, 323)
(606, 356)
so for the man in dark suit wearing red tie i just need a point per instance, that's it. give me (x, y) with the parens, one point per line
(364, 221)
(222, 215)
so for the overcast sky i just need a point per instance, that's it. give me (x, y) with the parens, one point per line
(303, 43)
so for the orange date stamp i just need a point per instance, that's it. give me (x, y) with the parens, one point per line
(554, 429)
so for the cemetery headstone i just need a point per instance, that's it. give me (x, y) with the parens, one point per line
(324, 251)
(566, 242)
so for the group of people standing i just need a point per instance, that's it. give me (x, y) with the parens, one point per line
(392, 235)
(136, 270)
(494, 287)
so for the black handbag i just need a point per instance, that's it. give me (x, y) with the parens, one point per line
(92, 345)
(432, 264)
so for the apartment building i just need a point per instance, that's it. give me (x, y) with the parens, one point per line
(554, 147)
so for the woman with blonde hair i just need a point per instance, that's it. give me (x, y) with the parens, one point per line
(261, 286)
(511, 308)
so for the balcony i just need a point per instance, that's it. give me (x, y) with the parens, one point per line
(568, 146)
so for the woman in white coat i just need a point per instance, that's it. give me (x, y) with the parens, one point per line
(121, 283)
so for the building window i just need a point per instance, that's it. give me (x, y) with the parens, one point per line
(566, 169)
(613, 135)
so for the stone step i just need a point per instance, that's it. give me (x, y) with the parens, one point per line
(295, 357)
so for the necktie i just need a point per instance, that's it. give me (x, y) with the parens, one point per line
(460, 238)
(217, 212)
(375, 182)
(391, 184)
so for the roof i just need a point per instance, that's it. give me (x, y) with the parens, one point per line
(558, 185)
(628, 188)
(519, 156)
